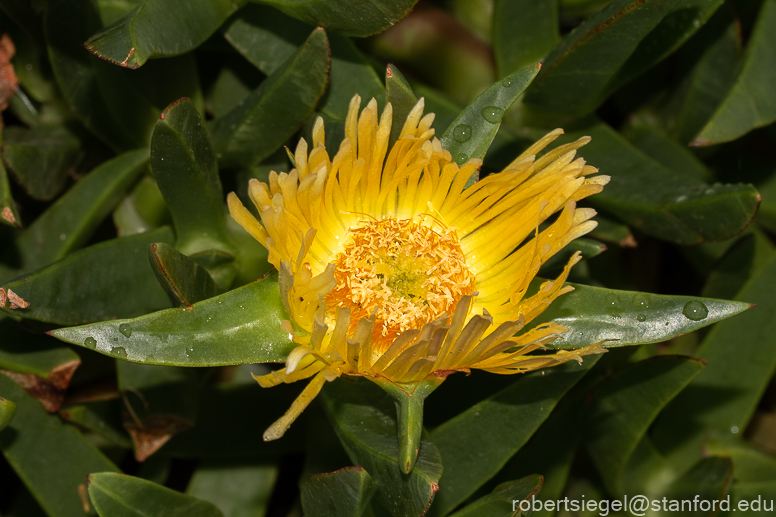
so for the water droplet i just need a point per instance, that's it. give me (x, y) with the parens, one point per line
(734, 429)
(461, 158)
(641, 317)
(125, 329)
(119, 351)
(492, 114)
(90, 342)
(507, 83)
(695, 310)
(641, 301)
(462, 133)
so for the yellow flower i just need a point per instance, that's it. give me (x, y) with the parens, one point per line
(392, 270)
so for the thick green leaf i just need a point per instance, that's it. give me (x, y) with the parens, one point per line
(87, 286)
(741, 358)
(594, 314)
(187, 175)
(750, 103)
(749, 464)
(119, 495)
(647, 196)
(158, 28)
(470, 135)
(357, 18)
(655, 143)
(241, 326)
(747, 255)
(713, 62)
(506, 500)
(495, 429)
(589, 248)
(52, 458)
(142, 210)
(25, 352)
(101, 417)
(364, 418)
(345, 493)
(184, 281)
(267, 38)
(579, 72)
(754, 497)
(614, 232)
(237, 488)
(676, 27)
(70, 221)
(112, 11)
(524, 31)
(8, 213)
(7, 411)
(40, 158)
(624, 407)
(707, 481)
(276, 110)
(399, 93)
(100, 94)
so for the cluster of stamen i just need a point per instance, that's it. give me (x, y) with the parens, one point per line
(406, 272)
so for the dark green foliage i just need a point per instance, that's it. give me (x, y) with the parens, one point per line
(121, 270)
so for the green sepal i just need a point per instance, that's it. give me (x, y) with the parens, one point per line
(409, 399)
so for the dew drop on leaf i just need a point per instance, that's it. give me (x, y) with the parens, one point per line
(461, 158)
(119, 351)
(695, 310)
(492, 114)
(125, 329)
(90, 342)
(641, 317)
(462, 133)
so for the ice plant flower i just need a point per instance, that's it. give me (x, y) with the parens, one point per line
(391, 269)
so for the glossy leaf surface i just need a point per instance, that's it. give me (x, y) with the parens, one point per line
(235, 487)
(25, 352)
(241, 326)
(40, 158)
(364, 418)
(750, 102)
(677, 209)
(470, 135)
(69, 222)
(81, 289)
(187, 175)
(119, 495)
(578, 72)
(624, 407)
(742, 374)
(156, 28)
(508, 419)
(52, 457)
(101, 94)
(7, 411)
(275, 111)
(594, 314)
(345, 493)
(184, 281)
(339, 15)
(504, 499)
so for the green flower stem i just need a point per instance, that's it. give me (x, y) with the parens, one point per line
(409, 400)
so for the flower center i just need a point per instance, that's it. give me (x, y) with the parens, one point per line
(409, 273)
